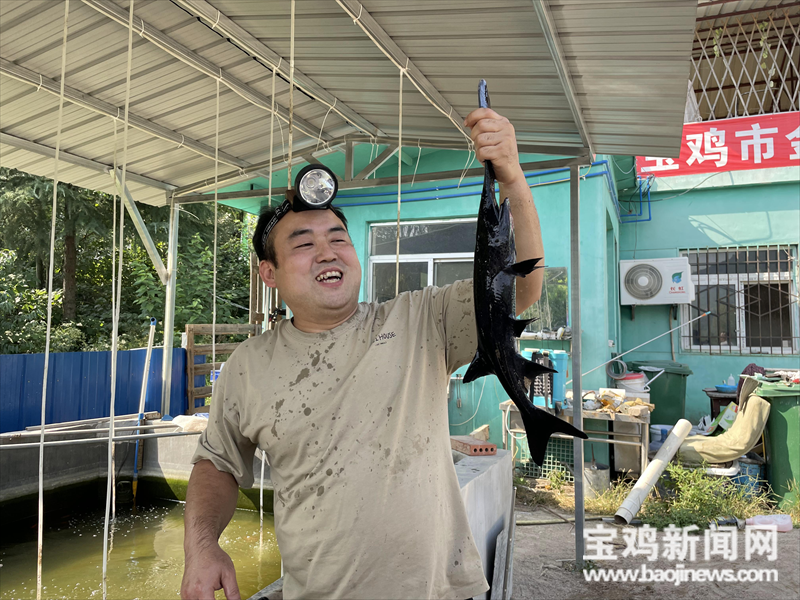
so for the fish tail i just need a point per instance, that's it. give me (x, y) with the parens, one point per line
(540, 425)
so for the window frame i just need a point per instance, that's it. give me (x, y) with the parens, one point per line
(739, 281)
(431, 258)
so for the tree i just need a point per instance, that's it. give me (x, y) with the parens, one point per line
(82, 315)
(25, 217)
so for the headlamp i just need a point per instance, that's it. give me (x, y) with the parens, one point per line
(315, 187)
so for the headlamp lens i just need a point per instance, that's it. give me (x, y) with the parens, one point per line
(317, 187)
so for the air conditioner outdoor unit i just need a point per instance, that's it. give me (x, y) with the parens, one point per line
(655, 281)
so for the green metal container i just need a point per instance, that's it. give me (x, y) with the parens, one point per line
(783, 439)
(667, 391)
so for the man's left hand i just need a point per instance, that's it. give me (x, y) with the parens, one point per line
(495, 140)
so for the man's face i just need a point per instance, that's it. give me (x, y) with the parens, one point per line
(318, 273)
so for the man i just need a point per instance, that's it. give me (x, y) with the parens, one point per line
(348, 402)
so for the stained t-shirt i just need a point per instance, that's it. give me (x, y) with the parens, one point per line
(354, 424)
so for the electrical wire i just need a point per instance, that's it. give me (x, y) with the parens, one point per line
(476, 408)
(628, 172)
(110, 487)
(214, 260)
(399, 183)
(271, 138)
(687, 191)
(51, 269)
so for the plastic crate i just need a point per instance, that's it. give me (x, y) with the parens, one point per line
(750, 477)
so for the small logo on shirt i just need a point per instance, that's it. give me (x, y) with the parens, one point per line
(382, 338)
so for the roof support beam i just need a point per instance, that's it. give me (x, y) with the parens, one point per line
(182, 53)
(749, 11)
(141, 228)
(251, 45)
(348, 161)
(37, 80)
(387, 45)
(258, 169)
(336, 144)
(358, 184)
(542, 9)
(377, 163)
(443, 144)
(74, 159)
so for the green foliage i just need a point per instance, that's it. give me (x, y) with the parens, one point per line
(558, 479)
(25, 218)
(692, 497)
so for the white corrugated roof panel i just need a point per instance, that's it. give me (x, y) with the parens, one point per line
(629, 61)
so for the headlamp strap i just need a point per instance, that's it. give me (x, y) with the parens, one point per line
(284, 208)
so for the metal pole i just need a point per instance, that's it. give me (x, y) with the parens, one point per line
(575, 309)
(103, 439)
(169, 309)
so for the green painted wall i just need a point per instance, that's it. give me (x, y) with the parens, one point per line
(706, 218)
(599, 230)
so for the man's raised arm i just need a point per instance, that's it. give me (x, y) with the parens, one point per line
(496, 141)
(210, 503)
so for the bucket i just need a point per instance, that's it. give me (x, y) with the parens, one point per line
(659, 433)
(634, 382)
(596, 478)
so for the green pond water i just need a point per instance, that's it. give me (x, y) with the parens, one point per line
(146, 561)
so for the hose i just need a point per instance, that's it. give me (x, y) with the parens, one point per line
(614, 375)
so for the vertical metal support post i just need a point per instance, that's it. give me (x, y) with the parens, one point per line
(169, 308)
(348, 161)
(575, 309)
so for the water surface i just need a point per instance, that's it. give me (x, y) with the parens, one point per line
(146, 561)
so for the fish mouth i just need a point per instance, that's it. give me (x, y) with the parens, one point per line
(330, 277)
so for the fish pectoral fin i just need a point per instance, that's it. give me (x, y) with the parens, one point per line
(477, 368)
(519, 325)
(523, 268)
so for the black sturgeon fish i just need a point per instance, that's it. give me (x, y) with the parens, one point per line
(494, 278)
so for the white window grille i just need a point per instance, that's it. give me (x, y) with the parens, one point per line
(751, 292)
(747, 66)
(435, 252)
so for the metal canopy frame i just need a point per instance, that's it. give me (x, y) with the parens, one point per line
(357, 183)
(570, 73)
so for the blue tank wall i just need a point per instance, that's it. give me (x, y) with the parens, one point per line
(79, 386)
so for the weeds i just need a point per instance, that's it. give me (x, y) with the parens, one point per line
(688, 496)
(793, 507)
(692, 497)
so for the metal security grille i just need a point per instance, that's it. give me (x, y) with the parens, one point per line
(746, 65)
(559, 457)
(752, 295)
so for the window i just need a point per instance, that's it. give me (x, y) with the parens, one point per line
(431, 253)
(752, 295)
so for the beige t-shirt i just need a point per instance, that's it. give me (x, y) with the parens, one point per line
(354, 423)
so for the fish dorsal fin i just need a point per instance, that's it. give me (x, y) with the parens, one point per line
(519, 325)
(523, 268)
(477, 368)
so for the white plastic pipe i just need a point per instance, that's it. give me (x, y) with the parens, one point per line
(631, 505)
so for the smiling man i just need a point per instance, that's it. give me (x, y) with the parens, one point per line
(348, 400)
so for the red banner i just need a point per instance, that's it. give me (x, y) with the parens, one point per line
(761, 142)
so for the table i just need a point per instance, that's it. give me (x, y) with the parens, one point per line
(719, 399)
(512, 423)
